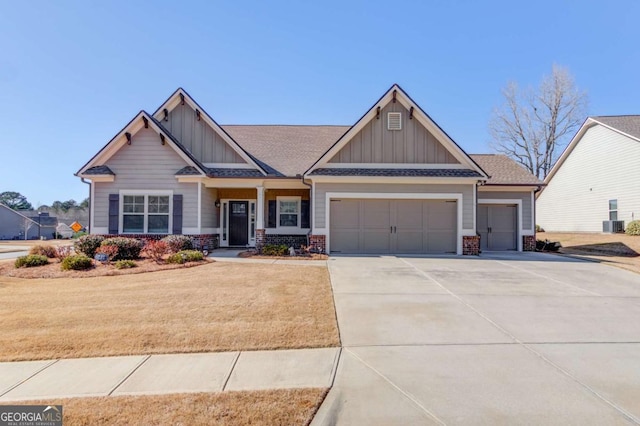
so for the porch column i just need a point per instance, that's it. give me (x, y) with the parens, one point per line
(260, 207)
(260, 233)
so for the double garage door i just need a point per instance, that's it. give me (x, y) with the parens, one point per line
(393, 226)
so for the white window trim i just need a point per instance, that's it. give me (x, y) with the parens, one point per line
(298, 200)
(146, 194)
(613, 210)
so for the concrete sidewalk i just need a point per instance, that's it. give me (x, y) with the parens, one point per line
(165, 374)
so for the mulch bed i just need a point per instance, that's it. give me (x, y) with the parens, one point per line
(306, 256)
(53, 269)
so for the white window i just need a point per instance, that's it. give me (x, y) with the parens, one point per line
(613, 209)
(288, 213)
(146, 214)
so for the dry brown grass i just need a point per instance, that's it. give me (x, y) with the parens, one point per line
(53, 269)
(619, 250)
(215, 307)
(271, 407)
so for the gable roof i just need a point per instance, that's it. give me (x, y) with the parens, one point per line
(287, 150)
(396, 93)
(96, 164)
(181, 95)
(18, 213)
(504, 171)
(627, 125)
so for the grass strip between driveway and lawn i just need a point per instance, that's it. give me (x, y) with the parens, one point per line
(214, 307)
(269, 407)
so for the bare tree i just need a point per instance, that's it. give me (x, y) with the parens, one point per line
(533, 126)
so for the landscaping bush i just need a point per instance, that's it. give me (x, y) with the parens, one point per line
(275, 250)
(539, 228)
(48, 251)
(31, 261)
(186, 256)
(178, 243)
(547, 245)
(62, 252)
(125, 264)
(88, 244)
(76, 262)
(128, 248)
(633, 228)
(111, 251)
(156, 250)
(78, 234)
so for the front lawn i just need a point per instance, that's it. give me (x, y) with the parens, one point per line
(214, 307)
(616, 249)
(270, 407)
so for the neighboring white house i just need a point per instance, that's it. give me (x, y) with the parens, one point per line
(596, 179)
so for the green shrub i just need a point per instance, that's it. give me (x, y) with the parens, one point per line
(31, 260)
(186, 256)
(88, 244)
(78, 234)
(178, 243)
(128, 248)
(275, 250)
(76, 262)
(48, 251)
(633, 228)
(125, 264)
(539, 228)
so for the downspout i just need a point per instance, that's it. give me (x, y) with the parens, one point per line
(310, 209)
(90, 206)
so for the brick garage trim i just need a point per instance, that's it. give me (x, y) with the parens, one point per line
(471, 245)
(528, 243)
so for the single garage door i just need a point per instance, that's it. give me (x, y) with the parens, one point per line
(393, 226)
(497, 226)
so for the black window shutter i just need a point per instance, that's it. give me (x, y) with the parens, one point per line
(271, 220)
(305, 214)
(177, 214)
(114, 211)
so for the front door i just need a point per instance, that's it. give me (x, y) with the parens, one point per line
(497, 226)
(238, 223)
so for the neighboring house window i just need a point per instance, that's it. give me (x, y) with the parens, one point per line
(145, 214)
(288, 212)
(613, 209)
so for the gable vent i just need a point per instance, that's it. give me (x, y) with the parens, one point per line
(394, 121)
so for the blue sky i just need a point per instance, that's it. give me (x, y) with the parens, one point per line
(72, 74)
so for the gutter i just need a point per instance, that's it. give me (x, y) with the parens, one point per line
(310, 208)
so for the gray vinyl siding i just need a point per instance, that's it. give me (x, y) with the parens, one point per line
(199, 138)
(146, 164)
(603, 166)
(527, 208)
(413, 144)
(322, 188)
(12, 224)
(209, 210)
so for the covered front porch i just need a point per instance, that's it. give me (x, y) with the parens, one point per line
(255, 212)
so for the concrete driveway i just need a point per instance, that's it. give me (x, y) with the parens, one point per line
(521, 338)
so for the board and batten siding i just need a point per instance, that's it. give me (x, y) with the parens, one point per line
(604, 165)
(146, 164)
(376, 144)
(321, 189)
(199, 138)
(525, 197)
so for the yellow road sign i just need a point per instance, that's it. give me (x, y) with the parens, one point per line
(76, 227)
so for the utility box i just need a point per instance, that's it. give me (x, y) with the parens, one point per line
(613, 226)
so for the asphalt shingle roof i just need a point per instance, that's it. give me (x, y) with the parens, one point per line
(231, 173)
(99, 170)
(285, 150)
(629, 124)
(397, 172)
(503, 170)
